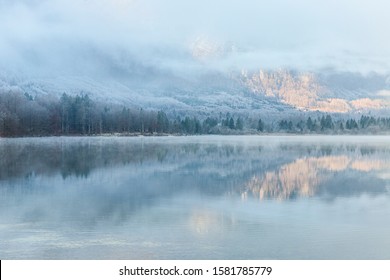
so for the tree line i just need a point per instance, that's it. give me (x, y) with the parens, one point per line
(326, 124)
(24, 115)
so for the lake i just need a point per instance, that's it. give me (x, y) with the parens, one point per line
(196, 197)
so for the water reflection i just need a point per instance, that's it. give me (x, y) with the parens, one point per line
(157, 197)
(303, 177)
(106, 177)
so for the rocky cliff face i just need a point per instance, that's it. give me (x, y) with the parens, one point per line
(301, 90)
(309, 91)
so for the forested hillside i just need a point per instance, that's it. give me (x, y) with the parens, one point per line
(25, 115)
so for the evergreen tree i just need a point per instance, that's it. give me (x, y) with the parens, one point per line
(310, 124)
(231, 123)
(283, 125)
(162, 122)
(208, 124)
(290, 126)
(260, 126)
(351, 124)
(301, 126)
(239, 124)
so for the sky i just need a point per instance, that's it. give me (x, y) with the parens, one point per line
(96, 37)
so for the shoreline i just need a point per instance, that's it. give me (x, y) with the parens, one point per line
(163, 135)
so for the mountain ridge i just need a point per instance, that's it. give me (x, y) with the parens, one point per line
(246, 92)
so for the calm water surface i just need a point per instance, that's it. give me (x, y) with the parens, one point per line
(206, 197)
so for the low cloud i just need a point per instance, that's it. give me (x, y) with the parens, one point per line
(126, 37)
(384, 93)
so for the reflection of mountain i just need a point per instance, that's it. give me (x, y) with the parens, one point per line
(112, 178)
(303, 177)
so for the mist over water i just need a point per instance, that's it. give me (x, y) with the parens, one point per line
(210, 197)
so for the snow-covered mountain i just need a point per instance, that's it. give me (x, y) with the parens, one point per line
(326, 91)
(208, 93)
(272, 92)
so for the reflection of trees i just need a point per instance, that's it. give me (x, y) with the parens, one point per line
(286, 170)
(303, 176)
(18, 159)
(80, 156)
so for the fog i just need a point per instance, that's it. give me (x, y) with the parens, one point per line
(122, 38)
